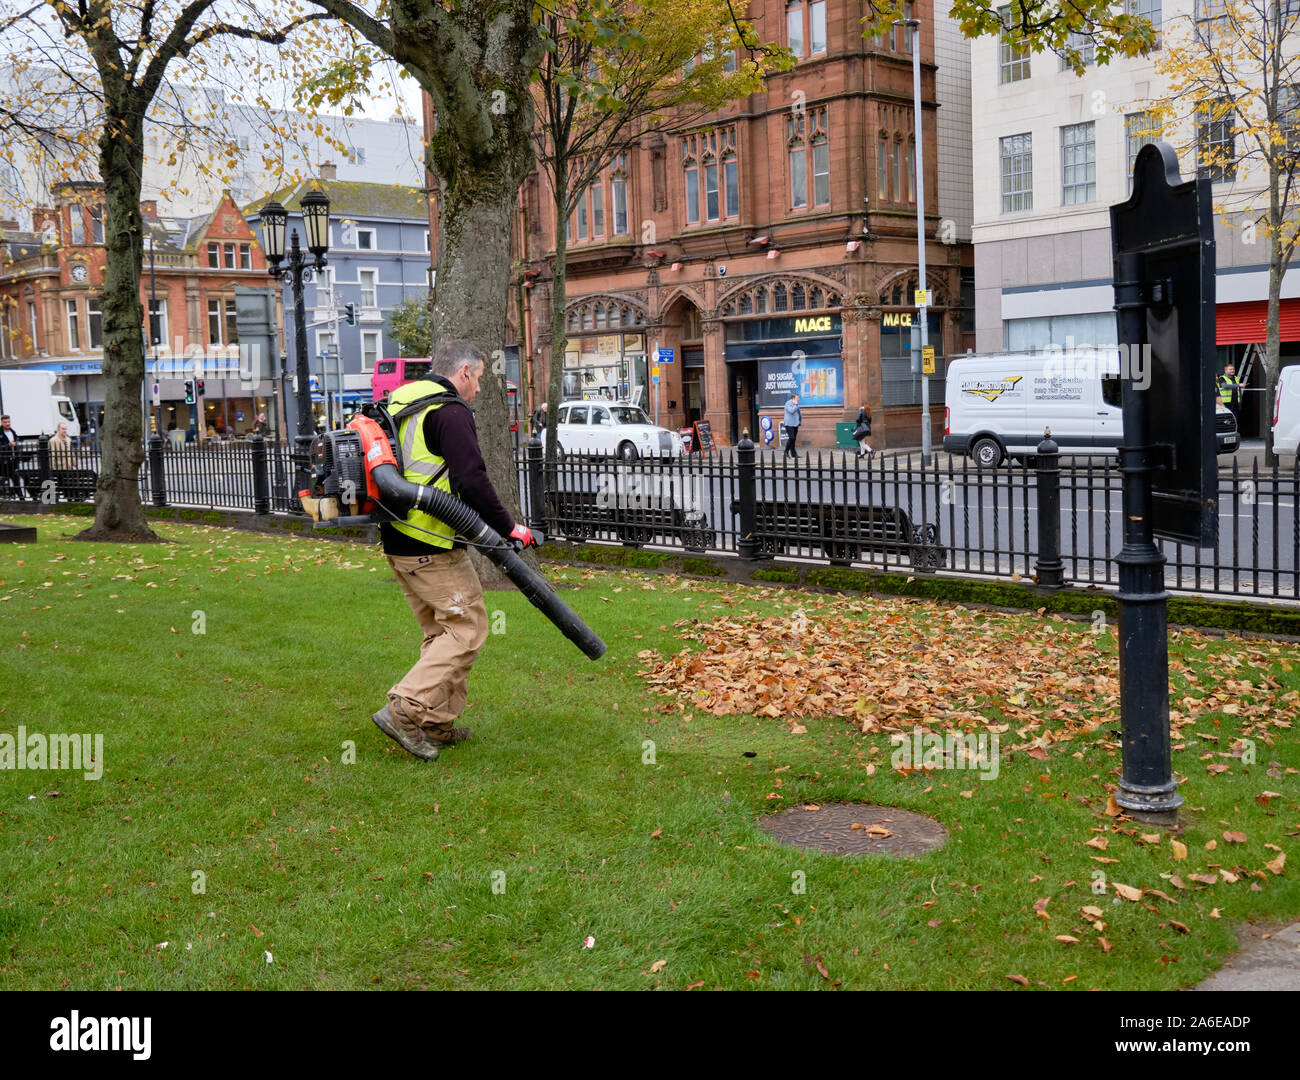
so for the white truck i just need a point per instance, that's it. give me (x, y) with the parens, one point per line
(33, 407)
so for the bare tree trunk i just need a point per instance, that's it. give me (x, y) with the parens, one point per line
(118, 513)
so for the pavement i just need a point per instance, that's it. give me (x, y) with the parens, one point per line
(1269, 960)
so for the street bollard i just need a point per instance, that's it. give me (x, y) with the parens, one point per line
(747, 545)
(1049, 569)
(534, 452)
(43, 470)
(261, 475)
(157, 478)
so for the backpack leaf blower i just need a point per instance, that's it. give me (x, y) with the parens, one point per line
(356, 471)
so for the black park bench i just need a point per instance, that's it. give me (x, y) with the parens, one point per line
(843, 532)
(583, 515)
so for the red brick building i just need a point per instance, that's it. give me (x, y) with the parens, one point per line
(783, 228)
(52, 281)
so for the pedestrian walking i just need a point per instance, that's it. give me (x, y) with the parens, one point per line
(61, 449)
(539, 419)
(862, 430)
(793, 419)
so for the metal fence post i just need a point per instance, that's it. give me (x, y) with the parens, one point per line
(157, 478)
(747, 545)
(261, 475)
(43, 470)
(1050, 570)
(534, 454)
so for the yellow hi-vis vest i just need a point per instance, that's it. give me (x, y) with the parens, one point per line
(420, 464)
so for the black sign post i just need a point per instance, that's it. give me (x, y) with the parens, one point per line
(1162, 241)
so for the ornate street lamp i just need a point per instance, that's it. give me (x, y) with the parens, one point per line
(315, 207)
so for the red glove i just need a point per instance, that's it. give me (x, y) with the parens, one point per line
(524, 535)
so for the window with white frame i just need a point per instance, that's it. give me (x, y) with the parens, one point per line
(219, 325)
(97, 224)
(1079, 163)
(426, 241)
(366, 239)
(1147, 9)
(158, 321)
(1216, 147)
(1084, 45)
(371, 342)
(1288, 114)
(1017, 156)
(326, 343)
(1140, 128)
(1014, 58)
(94, 322)
(78, 219)
(324, 287)
(74, 326)
(229, 251)
(245, 257)
(369, 282)
(214, 256)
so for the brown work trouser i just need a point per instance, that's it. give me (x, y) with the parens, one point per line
(444, 592)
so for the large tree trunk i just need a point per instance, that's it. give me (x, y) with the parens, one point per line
(118, 513)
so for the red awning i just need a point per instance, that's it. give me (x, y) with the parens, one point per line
(1244, 324)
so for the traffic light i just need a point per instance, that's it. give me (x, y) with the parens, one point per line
(350, 314)
(189, 392)
(200, 387)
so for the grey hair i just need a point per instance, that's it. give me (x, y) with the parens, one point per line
(452, 353)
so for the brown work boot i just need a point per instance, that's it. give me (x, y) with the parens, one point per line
(413, 742)
(457, 734)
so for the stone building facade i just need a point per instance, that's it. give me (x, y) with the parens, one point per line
(771, 246)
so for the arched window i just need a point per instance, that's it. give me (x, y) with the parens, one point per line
(796, 298)
(779, 298)
(814, 298)
(746, 304)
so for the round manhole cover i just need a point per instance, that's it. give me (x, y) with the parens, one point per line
(856, 829)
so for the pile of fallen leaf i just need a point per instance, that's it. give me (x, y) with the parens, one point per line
(893, 665)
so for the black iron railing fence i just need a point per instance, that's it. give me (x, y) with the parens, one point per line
(888, 512)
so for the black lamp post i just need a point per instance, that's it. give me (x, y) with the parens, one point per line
(315, 207)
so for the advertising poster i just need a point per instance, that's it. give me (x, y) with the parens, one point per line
(821, 382)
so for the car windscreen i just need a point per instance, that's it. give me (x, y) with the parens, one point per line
(629, 414)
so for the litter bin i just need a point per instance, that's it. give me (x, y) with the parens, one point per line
(844, 436)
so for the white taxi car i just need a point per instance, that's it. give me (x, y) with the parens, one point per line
(613, 429)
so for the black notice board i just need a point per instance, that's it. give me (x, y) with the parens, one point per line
(704, 437)
(1169, 225)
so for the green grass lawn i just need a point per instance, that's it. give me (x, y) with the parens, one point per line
(248, 806)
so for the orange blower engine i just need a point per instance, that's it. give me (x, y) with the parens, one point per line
(342, 487)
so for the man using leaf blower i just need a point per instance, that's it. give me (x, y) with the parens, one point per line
(440, 447)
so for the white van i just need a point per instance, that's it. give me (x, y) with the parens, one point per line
(998, 405)
(1286, 411)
